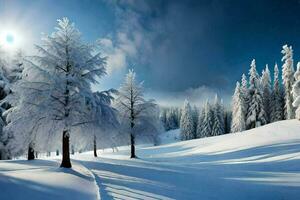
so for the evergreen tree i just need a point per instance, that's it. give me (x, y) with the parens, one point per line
(296, 92)
(187, 129)
(245, 95)
(238, 117)
(207, 123)
(218, 118)
(266, 91)
(195, 114)
(255, 114)
(288, 81)
(277, 98)
(201, 117)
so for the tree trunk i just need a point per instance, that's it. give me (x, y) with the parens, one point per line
(30, 155)
(132, 146)
(65, 150)
(95, 146)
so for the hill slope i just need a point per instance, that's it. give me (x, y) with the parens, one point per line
(263, 163)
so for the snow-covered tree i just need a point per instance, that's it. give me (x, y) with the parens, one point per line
(201, 117)
(218, 117)
(266, 91)
(288, 81)
(171, 119)
(255, 114)
(207, 123)
(54, 92)
(277, 98)
(106, 118)
(6, 72)
(187, 129)
(138, 116)
(296, 91)
(195, 114)
(238, 123)
(245, 95)
(163, 117)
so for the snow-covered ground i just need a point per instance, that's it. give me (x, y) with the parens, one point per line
(43, 179)
(262, 163)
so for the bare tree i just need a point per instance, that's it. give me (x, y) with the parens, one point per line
(136, 113)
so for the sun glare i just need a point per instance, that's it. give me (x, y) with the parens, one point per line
(9, 39)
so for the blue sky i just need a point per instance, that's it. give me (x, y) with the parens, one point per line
(180, 49)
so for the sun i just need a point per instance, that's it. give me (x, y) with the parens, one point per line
(9, 39)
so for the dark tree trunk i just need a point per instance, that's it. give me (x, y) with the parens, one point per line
(95, 146)
(132, 146)
(30, 155)
(65, 151)
(66, 135)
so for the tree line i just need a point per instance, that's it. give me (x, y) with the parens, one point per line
(261, 100)
(211, 119)
(257, 100)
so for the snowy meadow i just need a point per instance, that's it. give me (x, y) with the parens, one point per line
(63, 135)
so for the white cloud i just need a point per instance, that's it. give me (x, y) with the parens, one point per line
(116, 57)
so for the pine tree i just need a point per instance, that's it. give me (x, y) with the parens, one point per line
(187, 129)
(238, 117)
(288, 81)
(200, 124)
(255, 114)
(218, 118)
(207, 123)
(296, 92)
(171, 119)
(195, 114)
(266, 91)
(277, 99)
(245, 94)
